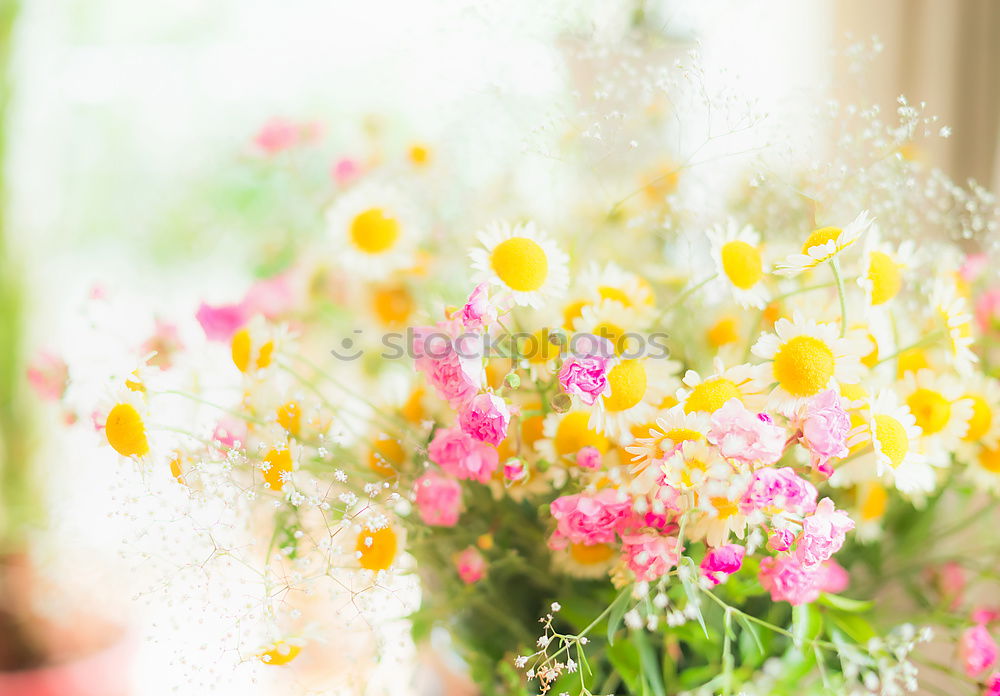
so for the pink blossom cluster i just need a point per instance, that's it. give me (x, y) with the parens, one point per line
(439, 499)
(824, 426)
(749, 437)
(463, 456)
(585, 373)
(977, 649)
(448, 360)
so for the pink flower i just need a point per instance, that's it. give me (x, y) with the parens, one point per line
(974, 265)
(463, 456)
(449, 360)
(588, 458)
(825, 425)
(165, 341)
(345, 170)
(741, 434)
(479, 313)
(273, 297)
(276, 135)
(48, 375)
(471, 565)
(649, 556)
(222, 321)
(722, 562)
(585, 373)
(779, 489)
(949, 579)
(486, 418)
(823, 533)
(439, 499)
(230, 432)
(513, 470)
(977, 650)
(988, 308)
(993, 685)
(788, 581)
(781, 540)
(833, 578)
(588, 519)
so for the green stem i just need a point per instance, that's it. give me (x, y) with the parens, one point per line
(835, 265)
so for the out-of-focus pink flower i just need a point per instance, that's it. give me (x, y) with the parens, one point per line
(985, 615)
(439, 499)
(588, 458)
(276, 135)
(779, 489)
(977, 650)
(272, 297)
(823, 533)
(788, 581)
(462, 456)
(450, 359)
(98, 291)
(741, 434)
(949, 579)
(229, 432)
(471, 565)
(833, 577)
(485, 418)
(479, 312)
(221, 321)
(649, 556)
(993, 685)
(825, 425)
(988, 308)
(345, 170)
(164, 342)
(973, 265)
(781, 539)
(588, 519)
(722, 562)
(48, 375)
(312, 131)
(585, 373)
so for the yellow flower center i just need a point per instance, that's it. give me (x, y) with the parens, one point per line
(393, 304)
(539, 349)
(281, 462)
(614, 333)
(678, 435)
(574, 433)
(711, 395)
(175, 468)
(374, 233)
(590, 555)
(884, 275)
(742, 264)
(724, 332)
(724, 507)
(377, 549)
(572, 312)
(290, 418)
(413, 409)
(608, 292)
(871, 360)
(820, 237)
(386, 456)
(931, 410)
(874, 502)
(241, 349)
(911, 360)
(853, 392)
(280, 653)
(520, 263)
(419, 154)
(989, 459)
(892, 439)
(126, 432)
(981, 420)
(803, 366)
(628, 385)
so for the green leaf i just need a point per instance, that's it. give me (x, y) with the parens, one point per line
(751, 630)
(625, 659)
(807, 623)
(855, 627)
(618, 609)
(854, 606)
(648, 662)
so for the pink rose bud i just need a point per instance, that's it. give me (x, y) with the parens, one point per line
(514, 469)
(471, 565)
(722, 562)
(588, 458)
(781, 540)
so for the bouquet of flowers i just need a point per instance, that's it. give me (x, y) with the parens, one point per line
(665, 433)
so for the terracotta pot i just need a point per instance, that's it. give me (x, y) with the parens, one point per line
(104, 673)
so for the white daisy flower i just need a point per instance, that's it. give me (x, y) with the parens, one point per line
(373, 231)
(638, 387)
(673, 428)
(565, 434)
(823, 245)
(887, 446)
(522, 260)
(805, 357)
(984, 469)
(583, 561)
(983, 393)
(738, 263)
(611, 320)
(611, 282)
(709, 394)
(884, 265)
(940, 409)
(953, 309)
